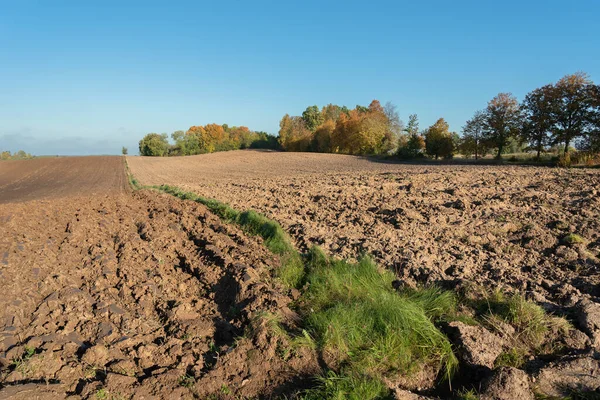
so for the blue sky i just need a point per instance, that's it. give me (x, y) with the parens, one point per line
(79, 77)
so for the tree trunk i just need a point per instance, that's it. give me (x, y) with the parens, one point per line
(499, 155)
(567, 146)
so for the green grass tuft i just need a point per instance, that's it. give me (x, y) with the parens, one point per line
(514, 357)
(529, 320)
(347, 386)
(573, 238)
(356, 316)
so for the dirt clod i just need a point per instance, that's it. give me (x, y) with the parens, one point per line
(477, 347)
(507, 383)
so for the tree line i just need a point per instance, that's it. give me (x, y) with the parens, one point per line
(562, 114)
(18, 155)
(557, 117)
(205, 139)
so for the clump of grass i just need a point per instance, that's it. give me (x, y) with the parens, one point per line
(532, 324)
(573, 238)
(347, 386)
(276, 240)
(270, 322)
(514, 357)
(21, 363)
(187, 381)
(101, 394)
(529, 320)
(467, 395)
(357, 317)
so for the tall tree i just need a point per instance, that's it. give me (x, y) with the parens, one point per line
(537, 118)
(502, 121)
(473, 134)
(322, 139)
(413, 143)
(571, 104)
(438, 140)
(413, 125)
(331, 112)
(312, 118)
(293, 134)
(592, 140)
(394, 121)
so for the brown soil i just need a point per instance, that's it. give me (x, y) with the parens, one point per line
(499, 226)
(131, 295)
(46, 178)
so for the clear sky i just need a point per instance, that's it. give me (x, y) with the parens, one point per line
(87, 77)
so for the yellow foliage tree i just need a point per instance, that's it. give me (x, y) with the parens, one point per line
(293, 134)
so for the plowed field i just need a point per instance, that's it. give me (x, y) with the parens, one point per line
(501, 226)
(48, 178)
(111, 294)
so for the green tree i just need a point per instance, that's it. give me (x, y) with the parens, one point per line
(438, 140)
(413, 143)
(502, 121)
(592, 139)
(571, 108)
(154, 144)
(312, 118)
(473, 130)
(537, 118)
(124, 150)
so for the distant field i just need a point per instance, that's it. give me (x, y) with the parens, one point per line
(46, 178)
(429, 223)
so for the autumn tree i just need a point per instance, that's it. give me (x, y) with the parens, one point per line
(438, 140)
(293, 134)
(215, 137)
(322, 139)
(240, 137)
(345, 136)
(154, 144)
(537, 118)
(195, 140)
(331, 112)
(502, 121)
(472, 140)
